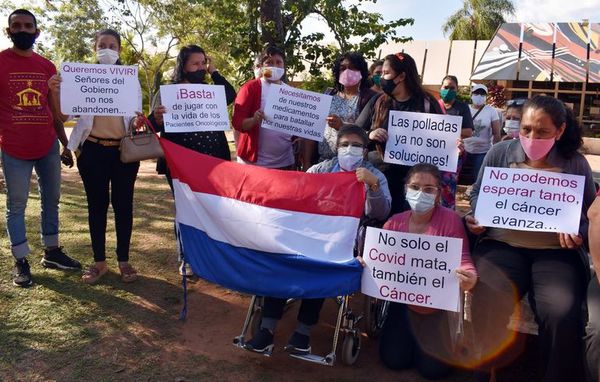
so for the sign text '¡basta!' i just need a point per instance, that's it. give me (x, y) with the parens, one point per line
(195, 94)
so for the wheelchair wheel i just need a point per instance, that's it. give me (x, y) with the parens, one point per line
(351, 348)
(375, 315)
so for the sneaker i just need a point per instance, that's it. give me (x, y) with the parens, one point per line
(21, 274)
(57, 259)
(185, 269)
(298, 344)
(261, 343)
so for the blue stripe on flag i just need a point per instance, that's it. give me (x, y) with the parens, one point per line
(267, 274)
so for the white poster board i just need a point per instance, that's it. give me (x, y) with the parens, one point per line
(530, 200)
(194, 107)
(412, 269)
(296, 112)
(94, 89)
(423, 138)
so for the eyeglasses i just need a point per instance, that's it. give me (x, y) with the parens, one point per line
(399, 56)
(516, 102)
(352, 144)
(432, 190)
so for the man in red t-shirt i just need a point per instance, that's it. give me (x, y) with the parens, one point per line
(28, 140)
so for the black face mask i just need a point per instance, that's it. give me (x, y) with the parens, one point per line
(388, 86)
(196, 77)
(23, 40)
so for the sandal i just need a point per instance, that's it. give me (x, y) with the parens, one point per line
(128, 273)
(93, 274)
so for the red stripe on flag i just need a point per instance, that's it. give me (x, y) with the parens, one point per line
(338, 194)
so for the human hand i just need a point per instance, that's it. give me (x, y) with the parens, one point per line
(473, 225)
(159, 112)
(139, 120)
(367, 177)
(66, 157)
(54, 83)
(571, 241)
(334, 121)
(466, 279)
(258, 117)
(361, 261)
(460, 144)
(379, 135)
(210, 67)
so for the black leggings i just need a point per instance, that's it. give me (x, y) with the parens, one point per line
(308, 313)
(554, 280)
(592, 338)
(107, 179)
(400, 347)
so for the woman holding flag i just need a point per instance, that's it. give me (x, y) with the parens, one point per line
(192, 67)
(351, 153)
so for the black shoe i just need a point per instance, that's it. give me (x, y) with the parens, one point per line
(261, 343)
(298, 344)
(21, 274)
(57, 259)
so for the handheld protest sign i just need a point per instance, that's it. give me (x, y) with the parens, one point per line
(423, 138)
(530, 200)
(194, 107)
(412, 269)
(95, 89)
(296, 112)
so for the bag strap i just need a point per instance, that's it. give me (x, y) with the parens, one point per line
(478, 111)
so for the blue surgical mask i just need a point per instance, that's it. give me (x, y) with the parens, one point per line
(350, 157)
(419, 201)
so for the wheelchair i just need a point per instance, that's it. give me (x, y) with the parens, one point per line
(346, 326)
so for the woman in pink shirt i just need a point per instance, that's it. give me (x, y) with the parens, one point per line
(415, 336)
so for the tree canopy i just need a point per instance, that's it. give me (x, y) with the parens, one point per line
(477, 19)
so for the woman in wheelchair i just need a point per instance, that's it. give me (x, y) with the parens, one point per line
(351, 156)
(415, 336)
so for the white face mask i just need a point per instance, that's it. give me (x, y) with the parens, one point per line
(272, 73)
(511, 127)
(107, 56)
(419, 201)
(350, 157)
(478, 100)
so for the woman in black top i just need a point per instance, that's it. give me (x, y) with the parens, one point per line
(191, 68)
(402, 89)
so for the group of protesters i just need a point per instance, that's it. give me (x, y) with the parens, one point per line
(498, 266)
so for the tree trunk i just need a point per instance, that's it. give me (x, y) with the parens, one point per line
(271, 22)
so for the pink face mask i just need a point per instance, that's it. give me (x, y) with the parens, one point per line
(350, 77)
(536, 148)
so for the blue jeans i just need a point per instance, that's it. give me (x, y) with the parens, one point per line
(477, 161)
(17, 175)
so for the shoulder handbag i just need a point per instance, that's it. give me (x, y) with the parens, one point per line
(140, 145)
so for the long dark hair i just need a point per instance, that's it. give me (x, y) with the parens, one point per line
(571, 139)
(182, 58)
(403, 63)
(358, 61)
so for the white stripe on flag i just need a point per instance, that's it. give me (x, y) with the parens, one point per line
(241, 224)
